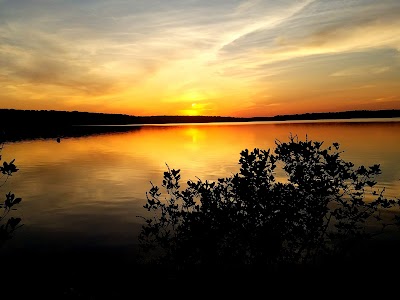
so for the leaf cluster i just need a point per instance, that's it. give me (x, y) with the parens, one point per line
(8, 225)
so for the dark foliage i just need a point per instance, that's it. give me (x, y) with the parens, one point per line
(324, 207)
(8, 224)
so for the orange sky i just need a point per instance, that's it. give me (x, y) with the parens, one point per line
(229, 58)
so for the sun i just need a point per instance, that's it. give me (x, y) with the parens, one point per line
(192, 103)
(194, 110)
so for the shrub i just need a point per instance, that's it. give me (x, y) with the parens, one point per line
(322, 209)
(8, 225)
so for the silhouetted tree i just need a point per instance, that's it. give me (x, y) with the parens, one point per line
(321, 210)
(8, 225)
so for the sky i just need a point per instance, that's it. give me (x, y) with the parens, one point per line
(200, 57)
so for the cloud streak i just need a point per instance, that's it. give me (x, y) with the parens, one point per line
(141, 56)
(321, 28)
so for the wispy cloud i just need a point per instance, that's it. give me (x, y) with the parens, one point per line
(124, 54)
(321, 27)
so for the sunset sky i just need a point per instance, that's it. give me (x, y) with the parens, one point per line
(205, 57)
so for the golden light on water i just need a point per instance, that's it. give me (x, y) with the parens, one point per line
(131, 160)
(97, 184)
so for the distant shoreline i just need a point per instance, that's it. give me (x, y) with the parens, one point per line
(300, 121)
(67, 118)
(42, 124)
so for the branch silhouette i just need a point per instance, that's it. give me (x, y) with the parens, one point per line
(8, 225)
(321, 211)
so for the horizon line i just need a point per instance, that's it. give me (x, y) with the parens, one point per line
(204, 116)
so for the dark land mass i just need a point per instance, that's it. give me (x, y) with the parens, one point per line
(20, 133)
(32, 124)
(113, 274)
(62, 118)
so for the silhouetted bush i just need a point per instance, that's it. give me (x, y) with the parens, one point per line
(250, 218)
(8, 225)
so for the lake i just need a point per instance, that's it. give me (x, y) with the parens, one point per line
(86, 192)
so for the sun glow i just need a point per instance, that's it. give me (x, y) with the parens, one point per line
(247, 58)
(190, 112)
(194, 110)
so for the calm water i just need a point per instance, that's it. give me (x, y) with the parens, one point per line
(87, 192)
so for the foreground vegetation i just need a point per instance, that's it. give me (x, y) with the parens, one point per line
(319, 214)
(324, 209)
(8, 225)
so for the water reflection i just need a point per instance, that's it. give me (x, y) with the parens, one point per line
(88, 190)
